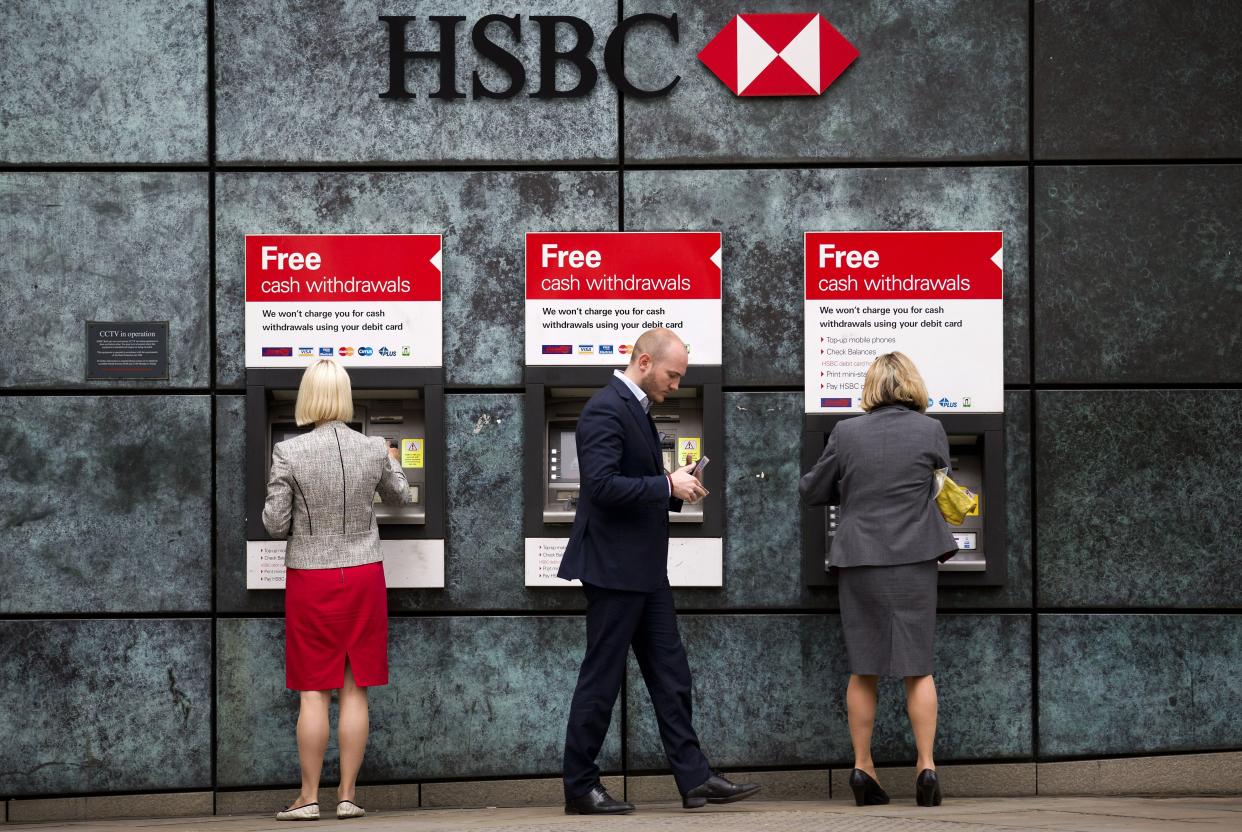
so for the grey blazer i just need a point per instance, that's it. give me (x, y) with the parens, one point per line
(320, 496)
(878, 468)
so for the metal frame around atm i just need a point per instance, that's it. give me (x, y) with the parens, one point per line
(818, 426)
(429, 379)
(538, 378)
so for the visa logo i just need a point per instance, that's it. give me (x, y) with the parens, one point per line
(304, 351)
(586, 349)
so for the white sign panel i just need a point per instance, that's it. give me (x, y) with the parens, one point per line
(408, 564)
(366, 300)
(692, 561)
(936, 296)
(590, 295)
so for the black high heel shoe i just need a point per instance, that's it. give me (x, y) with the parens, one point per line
(866, 791)
(927, 788)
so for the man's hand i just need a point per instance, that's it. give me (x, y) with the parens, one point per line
(685, 486)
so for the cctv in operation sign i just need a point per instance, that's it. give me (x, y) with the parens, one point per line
(936, 296)
(366, 300)
(589, 295)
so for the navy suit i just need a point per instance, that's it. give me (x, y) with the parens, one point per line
(619, 549)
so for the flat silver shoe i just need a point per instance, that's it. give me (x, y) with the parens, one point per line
(310, 811)
(348, 809)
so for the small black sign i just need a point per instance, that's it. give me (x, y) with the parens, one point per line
(126, 350)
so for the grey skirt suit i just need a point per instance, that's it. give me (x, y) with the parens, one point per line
(879, 469)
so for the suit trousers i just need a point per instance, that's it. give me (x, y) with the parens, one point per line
(616, 621)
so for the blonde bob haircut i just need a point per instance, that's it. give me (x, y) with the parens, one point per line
(893, 379)
(325, 394)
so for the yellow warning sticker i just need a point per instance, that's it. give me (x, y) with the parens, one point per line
(412, 453)
(689, 449)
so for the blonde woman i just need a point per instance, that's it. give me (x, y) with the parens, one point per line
(879, 468)
(319, 497)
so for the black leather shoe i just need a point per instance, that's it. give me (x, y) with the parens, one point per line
(866, 791)
(597, 802)
(927, 788)
(716, 789)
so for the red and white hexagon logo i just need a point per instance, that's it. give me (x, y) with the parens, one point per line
(778, 54)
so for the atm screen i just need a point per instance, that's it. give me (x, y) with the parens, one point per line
(569, 457)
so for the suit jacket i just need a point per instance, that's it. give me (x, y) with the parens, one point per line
(320, 496)
(619, 538)
(878, 468)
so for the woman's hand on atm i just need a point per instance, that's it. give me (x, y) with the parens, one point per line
(685, 486)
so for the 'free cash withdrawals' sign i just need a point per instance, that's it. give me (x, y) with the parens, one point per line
(936, 296)
(366, 300)
(589, 295)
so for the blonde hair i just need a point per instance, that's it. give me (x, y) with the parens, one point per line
(893, 379)
(325, 394)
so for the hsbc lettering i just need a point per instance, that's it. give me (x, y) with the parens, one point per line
(753, 54)
(550, 57)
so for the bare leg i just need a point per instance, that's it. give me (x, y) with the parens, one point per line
(312, 742)
(921, 704)
(860, 701)
(352, 734)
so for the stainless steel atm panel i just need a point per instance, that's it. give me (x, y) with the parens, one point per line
(398, 413)
(976, 454)
(555, 397)
(679, 417)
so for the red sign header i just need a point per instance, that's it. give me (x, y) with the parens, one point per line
(904, 265)
(623, 265)
(343, 267)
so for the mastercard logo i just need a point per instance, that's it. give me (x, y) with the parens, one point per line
(344, 351)
(624, 349)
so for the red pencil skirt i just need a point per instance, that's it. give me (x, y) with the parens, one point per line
(334, 615)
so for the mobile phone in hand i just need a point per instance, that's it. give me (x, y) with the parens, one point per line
(697, 473)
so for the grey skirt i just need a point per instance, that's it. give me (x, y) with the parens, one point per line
(888, 614)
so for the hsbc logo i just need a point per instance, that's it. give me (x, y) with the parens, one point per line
(754, 55)
(778, 54)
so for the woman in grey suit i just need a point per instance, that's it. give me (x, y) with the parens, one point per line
(879, 468)
(320, 496)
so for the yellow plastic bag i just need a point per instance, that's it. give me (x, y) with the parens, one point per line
(953, 501)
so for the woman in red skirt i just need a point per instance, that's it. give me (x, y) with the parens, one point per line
(319, 496)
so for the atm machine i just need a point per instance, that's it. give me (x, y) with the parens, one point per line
(689, 422)
(373, 303)
(405, 406)
(977, 457)
(938, 297)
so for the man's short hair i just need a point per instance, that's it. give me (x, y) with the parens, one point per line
(657, 343)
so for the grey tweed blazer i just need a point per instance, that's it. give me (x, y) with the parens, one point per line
(878, 468)
(320, 496)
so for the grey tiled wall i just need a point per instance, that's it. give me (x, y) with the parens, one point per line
(123, 597)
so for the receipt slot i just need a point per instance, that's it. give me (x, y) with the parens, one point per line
(405, 407)
(977, 454)
(689, 424)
